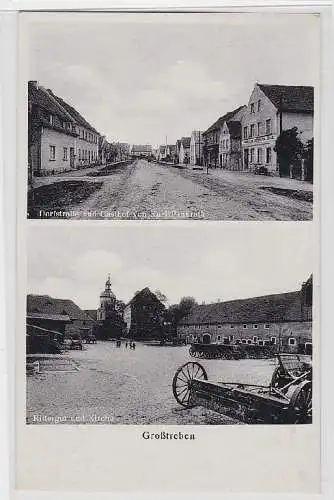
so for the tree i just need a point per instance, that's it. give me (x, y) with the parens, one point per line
(308, 157)
(161, 296)
(176, 312)
(289, 149)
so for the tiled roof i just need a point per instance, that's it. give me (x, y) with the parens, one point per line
(290, 97)
(264, 309)
(39, 96)
(217, 124)
(80, 120)
(234, 128)
(54, 317)
(142, 148)
(47, 305)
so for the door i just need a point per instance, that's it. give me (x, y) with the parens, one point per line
(206, 339)
(72, 157)
(246, 159)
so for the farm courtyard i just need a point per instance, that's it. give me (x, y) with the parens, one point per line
(121, 386)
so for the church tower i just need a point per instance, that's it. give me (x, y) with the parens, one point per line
(107, 301)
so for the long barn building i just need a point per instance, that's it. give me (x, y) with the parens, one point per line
(283, 319)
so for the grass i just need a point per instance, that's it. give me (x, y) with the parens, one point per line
(291, 193)
(58, 196)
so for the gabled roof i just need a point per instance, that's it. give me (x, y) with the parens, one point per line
(234, 128)
(145, 293)
(290, 97)
(44, 304)
(219, 123)
(264, 309)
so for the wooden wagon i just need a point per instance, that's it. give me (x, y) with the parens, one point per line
(286, 400)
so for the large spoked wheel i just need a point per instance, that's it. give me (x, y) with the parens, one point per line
(301, 403)
(182, 377)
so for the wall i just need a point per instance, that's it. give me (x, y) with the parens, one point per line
(76, 326)
(49, 138)
(302, 331)
(127, 317)
(87, 150)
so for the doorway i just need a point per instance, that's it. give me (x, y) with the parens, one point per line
(207, 338)
(72, 157)
(246, 158)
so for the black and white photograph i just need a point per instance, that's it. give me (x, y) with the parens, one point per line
(191, 328)
(171, 116)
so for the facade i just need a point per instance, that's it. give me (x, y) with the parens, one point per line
(282, 319)
(47, 312)
(144, 316)
(230, 157)
(107, 302)
(177, 151)
(211, 137)
(59, 138)
(141, 150)
(196, 148)
(184, 152)
(272, 109)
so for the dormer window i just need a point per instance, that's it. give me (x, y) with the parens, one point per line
(252, 108)
(52, 119)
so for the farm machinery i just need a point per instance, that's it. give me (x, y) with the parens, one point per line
(286, 400)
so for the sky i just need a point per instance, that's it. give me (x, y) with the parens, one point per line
(142, 78)
(208, 261)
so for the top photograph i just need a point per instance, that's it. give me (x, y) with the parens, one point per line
(170, 116)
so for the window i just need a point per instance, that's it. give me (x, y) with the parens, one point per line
(218, 338)
(231, 337)
(255, 338)
(273, 340)
(231, 326)
(252, 108)
(261, 342)
(252, 151)
(268, 155)
(79, 154)
(249, 341)
(64, 154)
(245, 133)
(266, 326)
(252, 130)
(244, 341)
(268, 127)
(292, 341)
(259, 155)
(244, 326)
(258, 129)
(259, 105)
(52, 120)
(255, 327)
(52, 152)
(219, 326)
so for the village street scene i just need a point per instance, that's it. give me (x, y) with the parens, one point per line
(176, 135)
(160, 340)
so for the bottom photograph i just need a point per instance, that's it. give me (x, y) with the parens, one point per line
(176, 324)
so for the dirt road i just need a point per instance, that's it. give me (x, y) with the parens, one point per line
(144, 190)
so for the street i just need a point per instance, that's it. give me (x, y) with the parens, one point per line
(122, 386)
(144, 190)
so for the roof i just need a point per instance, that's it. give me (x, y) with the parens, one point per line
(52, 317)
(141, 148)
(186, 142)
(92, 313)
(145, 293)
(290, 97)
(46, 305)
(264, 309)
(79, 119)
(218, 123)
(39, 96)
(234, 128)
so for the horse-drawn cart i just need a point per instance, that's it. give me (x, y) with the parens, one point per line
(286, 400)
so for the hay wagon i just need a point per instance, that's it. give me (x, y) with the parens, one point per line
(286, 400)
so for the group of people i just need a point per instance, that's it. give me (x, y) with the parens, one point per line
(132, 345)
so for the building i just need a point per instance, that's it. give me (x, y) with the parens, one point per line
(282, 319)
(177, 150)
(107, 302)
(211, 137)
(59, 315)
(270, 110)
(196, 148)
(230, 156)
(141, 150)
(184, 152)
(144, 316)
(59, 138)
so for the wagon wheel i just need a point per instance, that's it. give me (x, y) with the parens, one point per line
(181, 379)
(300, 405)
(279, 378)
